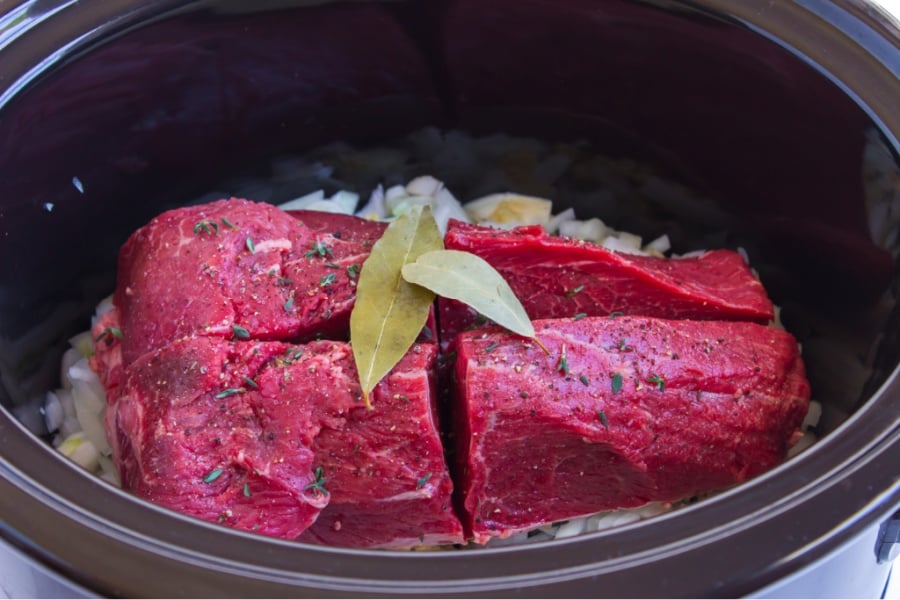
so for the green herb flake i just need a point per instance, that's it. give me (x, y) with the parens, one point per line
(109, 335)
(212, 475)
(251, 383)
(613, 315)
(427, 333)
(229, 392)
(563, 365)
(603, 419)
(616, 383)
(246, 490)
(326, 280)
(318, 249)
(332, 265)
(229, 224)
(210, 227)
(575, 290)
(579, 316)
(289, 304)
(297, 354)
(285, 281)
(319, 483)
(658, 381)
(583, 379)
(240, 332)
(251, 246)
(353, 271)
(492, 347)
(421, 481)
(623, 346)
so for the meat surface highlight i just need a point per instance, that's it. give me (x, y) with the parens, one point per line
(557, 277)
(268, 437)
(239, 269)
(624, 411)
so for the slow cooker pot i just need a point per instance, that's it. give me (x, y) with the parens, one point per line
(111, 111)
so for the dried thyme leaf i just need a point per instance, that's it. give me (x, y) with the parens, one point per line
(616, 383)
(318, 484)
(574, 291)
(658, 381)
(389, 312)
(603, 419)
(212, 475)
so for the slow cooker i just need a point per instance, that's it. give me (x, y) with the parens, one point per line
(110, 111)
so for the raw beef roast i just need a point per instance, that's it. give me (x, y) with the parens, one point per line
(263, 436)
(238, 269)
(624, 411)
(217, 410)
(557, 277)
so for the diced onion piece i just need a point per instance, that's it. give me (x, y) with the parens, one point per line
(402, 204)
(447, 207)
(83, 343)
(394, 192)
(812, 416)
(375, 209)
(303, 201)
(425, 190)
(592, 230)
(80, 450)
(89, 399)
(571, 528)
(426, 185)
(554, 223)
(54, 415)
(625, 244)
(343, 202)
(660, 245)
(635, 241)
(69, 358)
(347, 201)
(511, 209)
(105, 306)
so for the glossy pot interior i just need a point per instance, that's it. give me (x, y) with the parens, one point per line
(113, 111)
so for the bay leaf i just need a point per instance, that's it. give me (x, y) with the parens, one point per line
(389, 312)
(472, 280)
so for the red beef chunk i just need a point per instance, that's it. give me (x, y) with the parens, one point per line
(624, 411)
(390, 487)
(262, 436)
(557, 277)
(238, 269)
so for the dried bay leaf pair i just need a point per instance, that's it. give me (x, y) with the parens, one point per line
(397, 287)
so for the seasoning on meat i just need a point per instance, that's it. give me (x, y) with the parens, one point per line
(558, 277)
(688, 407)
(247, 277)
(262, 437)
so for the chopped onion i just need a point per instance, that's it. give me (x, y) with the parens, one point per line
(511, 209)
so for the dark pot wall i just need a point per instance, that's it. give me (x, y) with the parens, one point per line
(146, 117)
